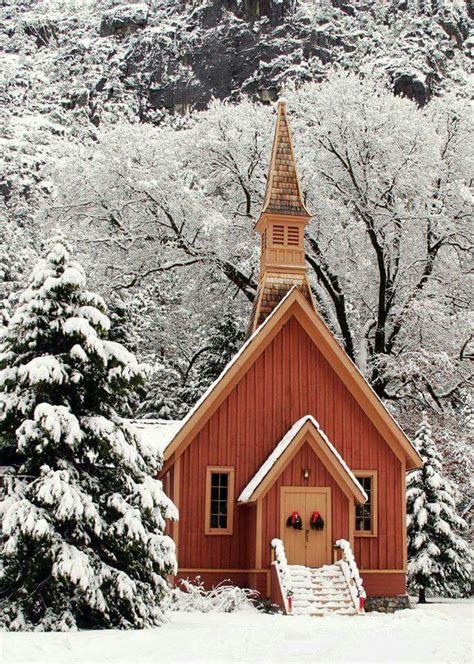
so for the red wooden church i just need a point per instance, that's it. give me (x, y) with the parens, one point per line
(290, 442)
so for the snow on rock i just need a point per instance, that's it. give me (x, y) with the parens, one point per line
(123, 20)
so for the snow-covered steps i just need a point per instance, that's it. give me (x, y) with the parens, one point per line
(320, 591)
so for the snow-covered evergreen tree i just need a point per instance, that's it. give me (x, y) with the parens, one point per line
(162, 394)
(439, 559)
(226, 337)
(83, 517)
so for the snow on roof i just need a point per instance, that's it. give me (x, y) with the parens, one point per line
(156, 433)
(284, 443)
(234, 360)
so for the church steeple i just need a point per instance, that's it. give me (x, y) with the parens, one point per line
(281, 224)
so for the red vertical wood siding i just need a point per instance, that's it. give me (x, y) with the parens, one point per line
(290, 379)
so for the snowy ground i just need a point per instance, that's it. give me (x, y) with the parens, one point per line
(441, 632)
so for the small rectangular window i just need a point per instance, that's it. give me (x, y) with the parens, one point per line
(293, 236)
(366, 515)
(278, 235)
(219, 500)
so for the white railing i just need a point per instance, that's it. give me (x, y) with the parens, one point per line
(351, 574)
(283, 574)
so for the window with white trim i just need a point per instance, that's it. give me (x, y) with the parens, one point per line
(366, 514)
(219, 500)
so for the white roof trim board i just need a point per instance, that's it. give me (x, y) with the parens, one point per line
(284, 443)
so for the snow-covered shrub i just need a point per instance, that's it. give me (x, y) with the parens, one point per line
(222, 598)
(83, 517)
(439, 558)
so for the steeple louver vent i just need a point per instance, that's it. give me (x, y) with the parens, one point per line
(278, 235)
(281, 223)
(293, 236)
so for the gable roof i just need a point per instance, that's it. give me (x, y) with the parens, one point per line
(286, 450)
(294, 304)
(283, 192)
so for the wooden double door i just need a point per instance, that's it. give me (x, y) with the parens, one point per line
(306, 546)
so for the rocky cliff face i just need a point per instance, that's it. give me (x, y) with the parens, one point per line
(72, 68)
(226, 49)
(175, 56)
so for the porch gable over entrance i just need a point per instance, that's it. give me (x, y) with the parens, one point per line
(306, 429)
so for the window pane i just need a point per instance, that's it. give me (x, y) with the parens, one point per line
(364, 512)
(222, 521)
(219, 500)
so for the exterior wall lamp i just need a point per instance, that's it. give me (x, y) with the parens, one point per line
(306, 474)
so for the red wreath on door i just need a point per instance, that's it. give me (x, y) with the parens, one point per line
(316, 522)
(294, 521)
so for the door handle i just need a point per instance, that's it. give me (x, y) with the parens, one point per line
(307, 534)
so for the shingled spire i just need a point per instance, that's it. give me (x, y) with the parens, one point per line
(281, 224)
(283, 192)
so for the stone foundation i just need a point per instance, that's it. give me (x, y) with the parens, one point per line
(387, 604)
